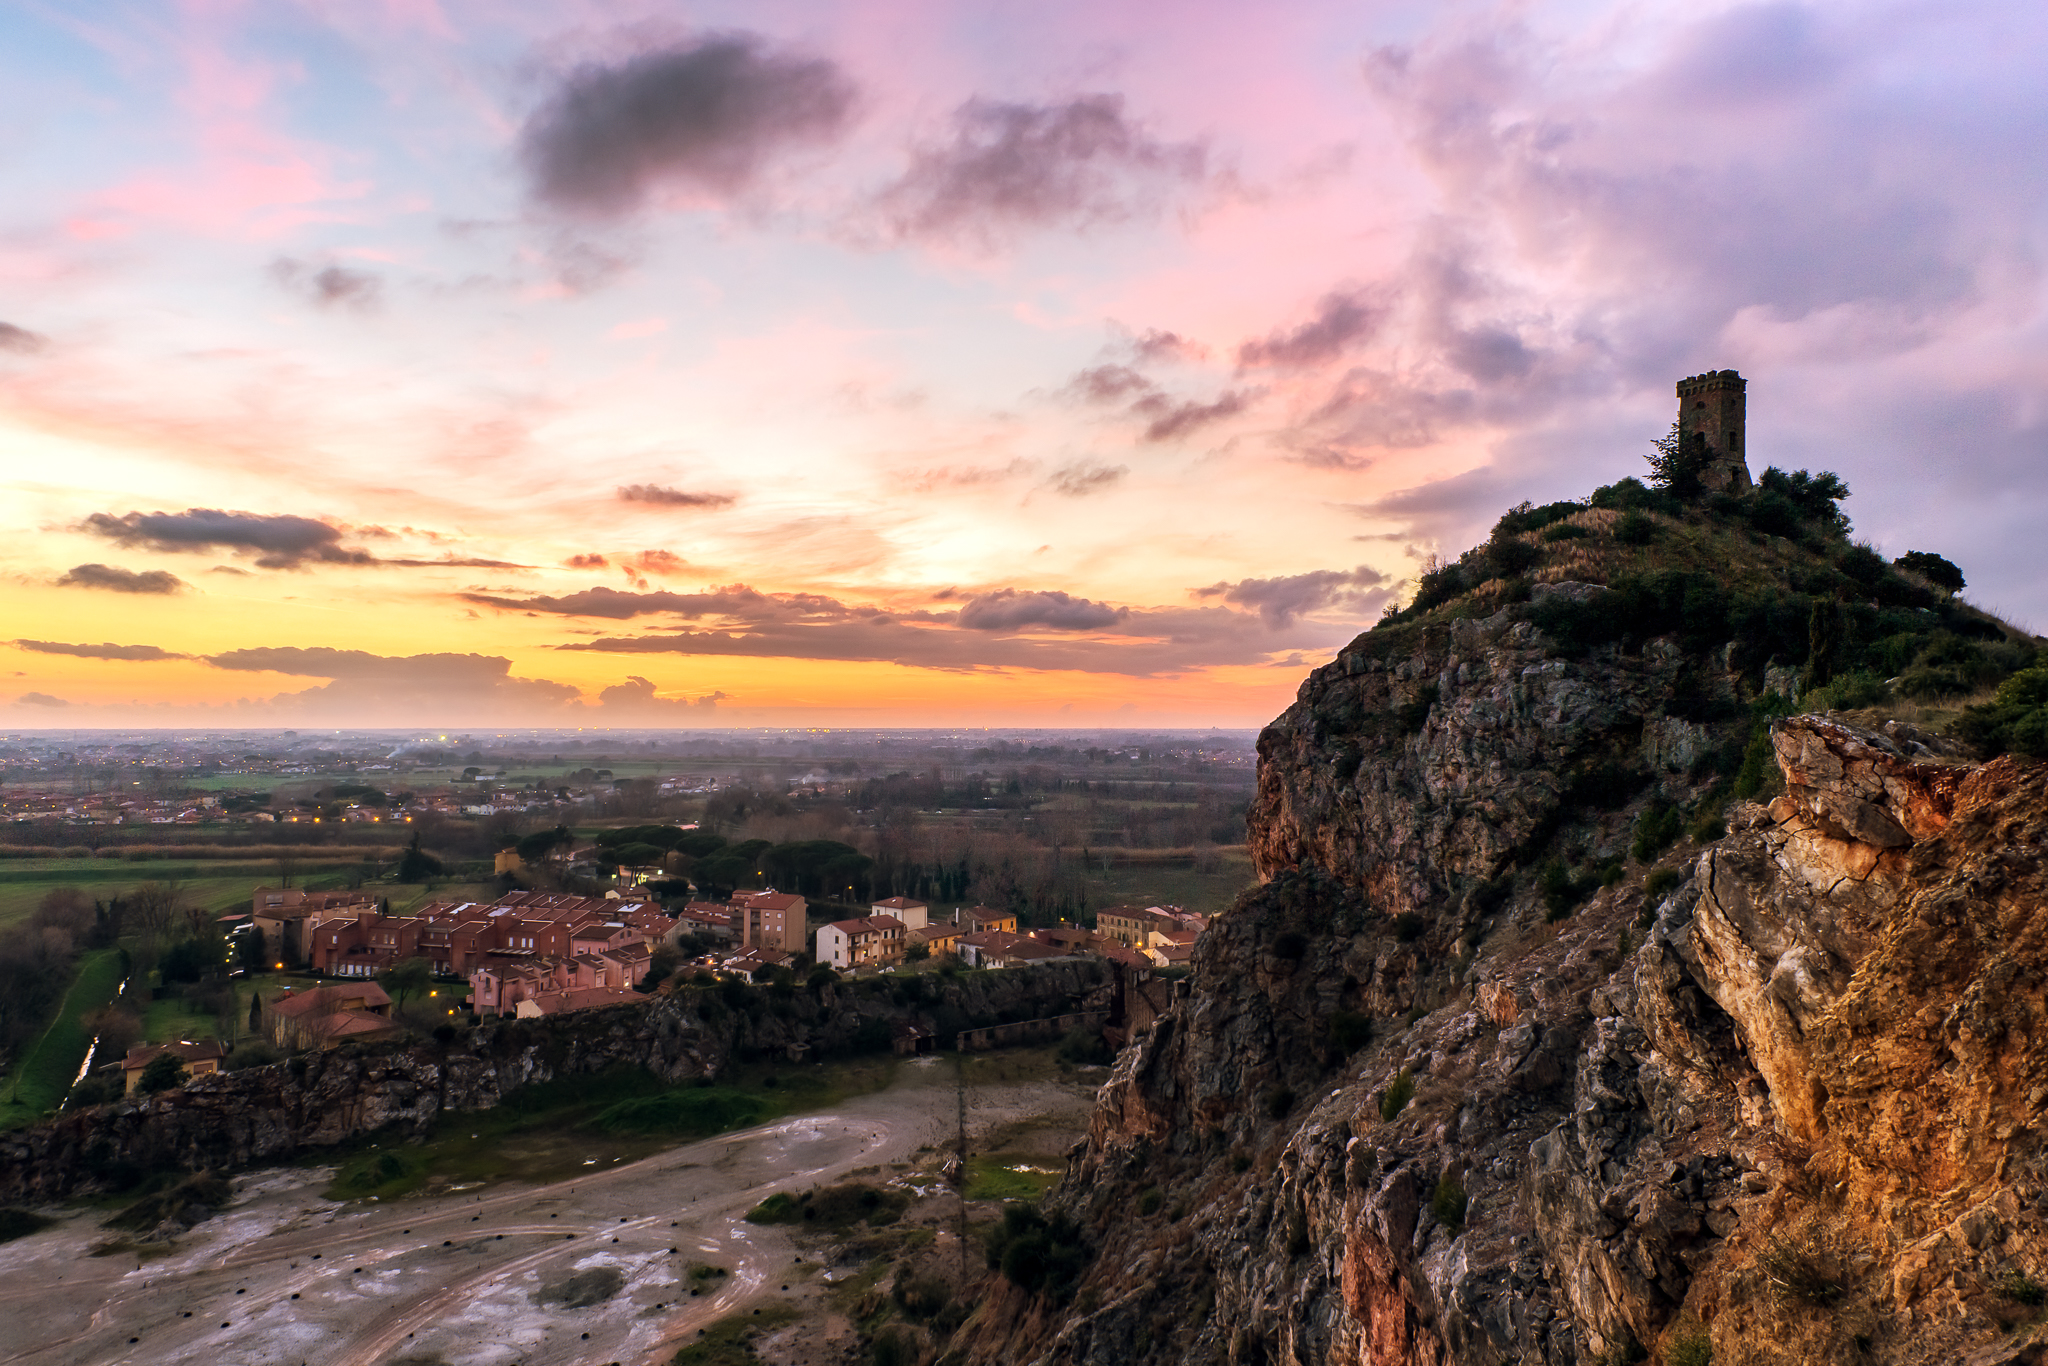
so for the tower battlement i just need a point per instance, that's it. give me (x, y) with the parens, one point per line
(1713, 409)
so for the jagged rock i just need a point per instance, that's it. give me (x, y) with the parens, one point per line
(1829, 1042)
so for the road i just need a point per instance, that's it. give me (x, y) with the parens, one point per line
(286, 1278)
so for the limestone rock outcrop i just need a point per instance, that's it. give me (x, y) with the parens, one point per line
(1791, 1107)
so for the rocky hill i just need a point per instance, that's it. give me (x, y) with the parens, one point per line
(1609, 996)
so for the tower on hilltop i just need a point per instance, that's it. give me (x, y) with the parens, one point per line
(1712, 410)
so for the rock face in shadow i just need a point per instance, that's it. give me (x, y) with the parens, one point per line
(317, 1100)
(1792, 1108)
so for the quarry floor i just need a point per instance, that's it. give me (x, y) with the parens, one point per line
(285, 1277)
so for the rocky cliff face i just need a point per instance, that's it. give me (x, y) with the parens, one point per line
(320, 1099)
(1787, 1111)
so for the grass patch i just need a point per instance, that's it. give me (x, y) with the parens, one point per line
(19, 1223)
(572, 1126)
(201, 1188)
(43, 1078)
(697, 1112)
(730, 1341)
(1010, 1176)
(834, 1208)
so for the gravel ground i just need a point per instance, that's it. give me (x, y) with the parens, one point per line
(284, 1277)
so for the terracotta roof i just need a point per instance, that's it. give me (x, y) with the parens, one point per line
(142, 1055)
(320, 1000)
(872, 924)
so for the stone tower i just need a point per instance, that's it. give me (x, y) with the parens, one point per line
(1712, 405)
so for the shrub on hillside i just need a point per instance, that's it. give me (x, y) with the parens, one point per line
(2016, 720)
(1038, 1254)
(1399, 1092)
(1448, 1202)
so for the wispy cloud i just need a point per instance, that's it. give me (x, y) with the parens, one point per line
(140, 653)
(1011, 166)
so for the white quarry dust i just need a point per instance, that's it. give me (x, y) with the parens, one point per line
(452, 1279)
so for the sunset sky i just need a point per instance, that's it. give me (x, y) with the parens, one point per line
(430, 363)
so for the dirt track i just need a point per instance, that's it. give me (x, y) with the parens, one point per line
(285, 1277)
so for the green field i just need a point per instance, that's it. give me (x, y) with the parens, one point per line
(1142, 877)
(45, 1075)
(219, 887)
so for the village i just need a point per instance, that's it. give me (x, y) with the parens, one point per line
(528, 954)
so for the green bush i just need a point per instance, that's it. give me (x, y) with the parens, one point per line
(1660, 883)
(1565, 531)
(1084, 1047)
(1562, 892)
(1399, 1092)
(1291, 945)
(2018, 1286)
(1408, 927)
(19, 1223)
(1148, 1201)
(1933, 568)
(1448, 1202)
(165, 1072)
(2016, 720)
(1800, 1270)
(1635, 528)
(1038, 1254)
(921, 1297)
(1693, 1348)
(1657, 829)
(1350, 1030)
(779, 1208)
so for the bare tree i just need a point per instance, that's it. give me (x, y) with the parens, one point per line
(154, 907)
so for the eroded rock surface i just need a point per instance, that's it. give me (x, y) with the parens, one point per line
(1820, 1061)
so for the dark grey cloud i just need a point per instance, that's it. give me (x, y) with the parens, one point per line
(1008, 609)
(40, 699)
(1139, 644)
(20, 340)
(735, 601)
(115, 579)
(329, 286)
(1279, 601)
(278, 541)
(1343, 319)
(143, 653)
(709, 114)
(1084, 477)
(1172, 419)
(672, 498)
(1009, 166)
(1109, 384)
(635, 698)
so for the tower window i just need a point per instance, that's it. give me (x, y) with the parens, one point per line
(1734, 440)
